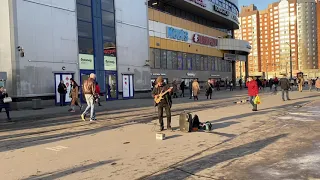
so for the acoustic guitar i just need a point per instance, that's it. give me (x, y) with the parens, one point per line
(160, 96)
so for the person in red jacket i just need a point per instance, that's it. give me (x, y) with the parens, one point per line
(98, 92)
(253, 91)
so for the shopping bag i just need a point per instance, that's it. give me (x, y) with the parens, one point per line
(7, 100)
(257, 100)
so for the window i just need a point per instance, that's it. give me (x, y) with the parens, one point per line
(198, 62)
(157, 58)
(185, 64)
(84, 13)
(85, 2)
(108, 34)
(107, 18)
(84, 29)
(189, 61)
(166, 60)
(107, 5)
(210, 59)
(174, 60)
(152, 57)
(85, 45)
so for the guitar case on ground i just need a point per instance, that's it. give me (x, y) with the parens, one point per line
(185, 122)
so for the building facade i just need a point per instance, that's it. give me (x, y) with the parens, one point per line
(126, 44)
(43, 42)
(286, 29)
(192, 39)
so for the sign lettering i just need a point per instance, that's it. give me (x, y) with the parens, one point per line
(220, 10)
(177, 34)
(204, 40)
(199, 2)
(86, 61)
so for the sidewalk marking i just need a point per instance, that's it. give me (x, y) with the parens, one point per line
(56, 148)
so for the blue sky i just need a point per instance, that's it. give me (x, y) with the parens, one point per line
(261, 4)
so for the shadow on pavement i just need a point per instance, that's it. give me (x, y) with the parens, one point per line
(63, 173)
(183, 170)
(8, 144)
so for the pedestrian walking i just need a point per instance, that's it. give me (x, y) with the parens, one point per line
(301, 83)
(195, 89)
(318, 84)
(253, 91)
(310, 84)
(182, 86)
(89, 91)
(74, 95)
(231, 86)
(62, 90)
(4, 104)
(285, 86)
(175, 89)
(209, 88)
(291, 84)
(98, 93)
(240, 83)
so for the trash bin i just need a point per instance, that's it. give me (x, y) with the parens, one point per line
(36, 103)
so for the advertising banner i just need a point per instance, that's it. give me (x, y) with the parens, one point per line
(110, 63)
(86, 61)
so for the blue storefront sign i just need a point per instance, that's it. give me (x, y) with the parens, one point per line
(177, 34)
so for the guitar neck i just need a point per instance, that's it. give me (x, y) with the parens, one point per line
(165, 92)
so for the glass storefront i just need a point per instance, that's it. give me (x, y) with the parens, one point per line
(88, 34)
(165, 59)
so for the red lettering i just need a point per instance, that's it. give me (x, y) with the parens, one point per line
(205, 40)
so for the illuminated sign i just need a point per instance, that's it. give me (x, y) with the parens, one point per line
(199, 2)
(177, 34)
(204, 40)
(220, 10)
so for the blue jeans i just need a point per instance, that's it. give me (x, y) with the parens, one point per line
(251, 99)
(90, 106)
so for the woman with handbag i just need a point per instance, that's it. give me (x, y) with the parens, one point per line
(74, 95)
(195, 89)
(4, 102)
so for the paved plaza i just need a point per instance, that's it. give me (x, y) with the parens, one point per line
(280, 141)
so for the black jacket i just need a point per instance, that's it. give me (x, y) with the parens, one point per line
(167, 98)
(208, 88)
(2, 96)
(61, 88)
(284, 83)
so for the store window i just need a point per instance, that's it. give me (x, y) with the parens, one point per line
(109, 34)
(180, 61)
(84, 2)
(85, 45)
(107, 5)
(152, 58)
(202, 63)
(165, 62)
(107, 18)
(198, 62)
(174, 60)
(194, 64)
(185, 59)
(210, 59)
(189, 61)
(84, 13)
(216, 66)
(84, 29)
(157, 58)
(205, 63)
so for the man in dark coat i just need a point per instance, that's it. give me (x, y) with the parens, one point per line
(165, 103)
(62, 90)
(285, 86)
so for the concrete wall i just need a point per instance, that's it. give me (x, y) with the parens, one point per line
(5, 42)
(132, 42)
(47, 30)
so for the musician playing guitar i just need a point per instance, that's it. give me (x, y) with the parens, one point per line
(165, 101)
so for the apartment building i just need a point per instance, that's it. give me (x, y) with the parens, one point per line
(307, 34)
(318, 24)
(249, 31)
(287, 37)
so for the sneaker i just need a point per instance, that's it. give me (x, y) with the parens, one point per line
(72, 111)
(83, 117)
(91, 120)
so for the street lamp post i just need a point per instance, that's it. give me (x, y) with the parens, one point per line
(290, 61)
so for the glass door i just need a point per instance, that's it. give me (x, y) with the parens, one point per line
(111, 86)
(84, 75)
